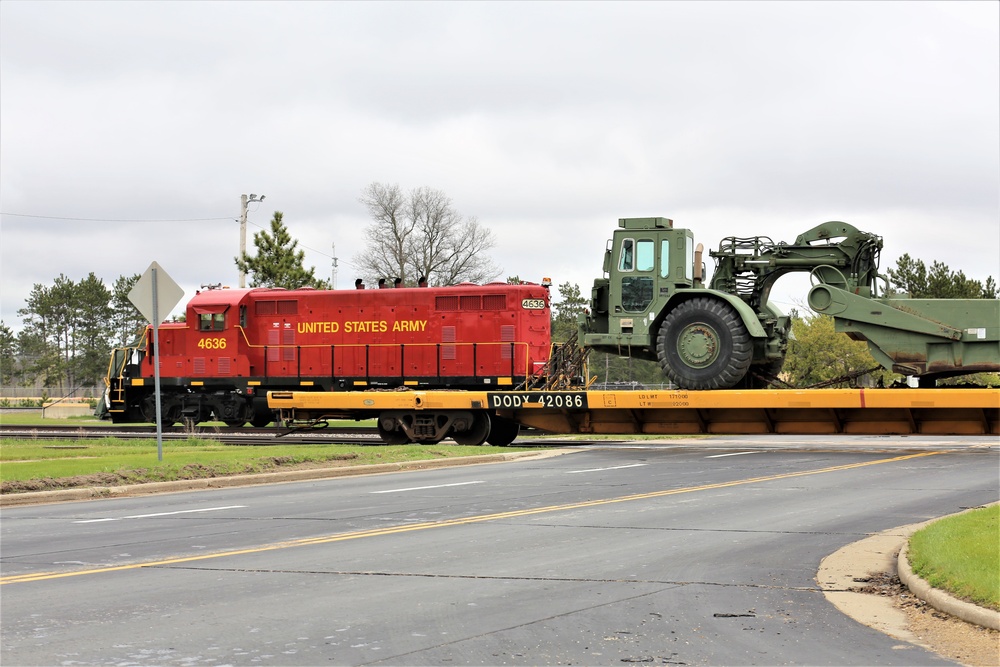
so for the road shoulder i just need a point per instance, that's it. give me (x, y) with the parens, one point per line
(862, 581)
(301, 473)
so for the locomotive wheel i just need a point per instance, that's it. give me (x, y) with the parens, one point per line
(262, 420)
(703, 344)
(503, 432)
(477, 434)
(391, 436)
(169, 414)
(234, 423)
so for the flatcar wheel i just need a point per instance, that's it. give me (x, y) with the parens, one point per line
(391, 436)
(503, 432)
(235, 423)
(477, 434)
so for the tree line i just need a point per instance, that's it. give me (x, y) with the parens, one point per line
(70, 327)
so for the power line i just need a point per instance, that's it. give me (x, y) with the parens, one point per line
(56, 217)
(318, 252)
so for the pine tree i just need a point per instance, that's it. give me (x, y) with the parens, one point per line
(277, 263)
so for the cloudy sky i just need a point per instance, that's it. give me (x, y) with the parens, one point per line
(129, 130)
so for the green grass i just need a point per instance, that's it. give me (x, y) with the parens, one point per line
(961, 554)
(36, 419)
(30, 464)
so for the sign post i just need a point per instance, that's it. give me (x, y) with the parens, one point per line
(153, 291)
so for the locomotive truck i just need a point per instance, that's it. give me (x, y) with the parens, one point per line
(654, 303)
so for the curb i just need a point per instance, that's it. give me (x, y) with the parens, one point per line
(939, 599)
(130, 490)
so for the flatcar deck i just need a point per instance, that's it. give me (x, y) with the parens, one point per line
(811, 411)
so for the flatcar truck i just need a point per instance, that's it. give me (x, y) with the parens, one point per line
(654, 303)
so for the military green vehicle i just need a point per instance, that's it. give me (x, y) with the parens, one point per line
(653, 303)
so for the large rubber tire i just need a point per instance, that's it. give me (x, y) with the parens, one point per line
(503, 432)
(703, 344)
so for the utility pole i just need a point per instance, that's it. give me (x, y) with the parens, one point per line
(333, 246)
(244, 200)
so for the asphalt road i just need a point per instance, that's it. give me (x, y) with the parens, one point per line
(650, 554)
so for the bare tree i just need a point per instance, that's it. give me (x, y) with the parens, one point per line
(388, 235)
(421, 234)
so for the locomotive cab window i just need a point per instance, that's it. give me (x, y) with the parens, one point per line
(211, 321)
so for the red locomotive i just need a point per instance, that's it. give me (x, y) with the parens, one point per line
(238, 344)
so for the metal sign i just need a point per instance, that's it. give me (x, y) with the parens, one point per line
(155, 294)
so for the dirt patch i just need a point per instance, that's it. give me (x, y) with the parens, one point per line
(862, 582)
(944, 634)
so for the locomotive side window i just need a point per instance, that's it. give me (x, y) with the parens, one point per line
(211, 321)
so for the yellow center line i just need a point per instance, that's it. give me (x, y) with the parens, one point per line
(406, 528)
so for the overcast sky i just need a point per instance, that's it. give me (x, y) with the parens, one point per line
(547, 121)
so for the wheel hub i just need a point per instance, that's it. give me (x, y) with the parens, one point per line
(698, 346)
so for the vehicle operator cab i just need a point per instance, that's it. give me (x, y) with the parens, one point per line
(646, 261)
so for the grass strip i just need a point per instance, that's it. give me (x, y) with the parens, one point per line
(961, 554)
(38, 465)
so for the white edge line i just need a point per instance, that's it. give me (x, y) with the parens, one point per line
(631, 465)
(146, 516)
(421, 488)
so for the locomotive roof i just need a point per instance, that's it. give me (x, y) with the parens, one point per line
(219, 300)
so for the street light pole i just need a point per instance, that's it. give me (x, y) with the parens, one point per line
(244, 200)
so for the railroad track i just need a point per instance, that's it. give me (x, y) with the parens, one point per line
(234, 436)
(260, 437)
